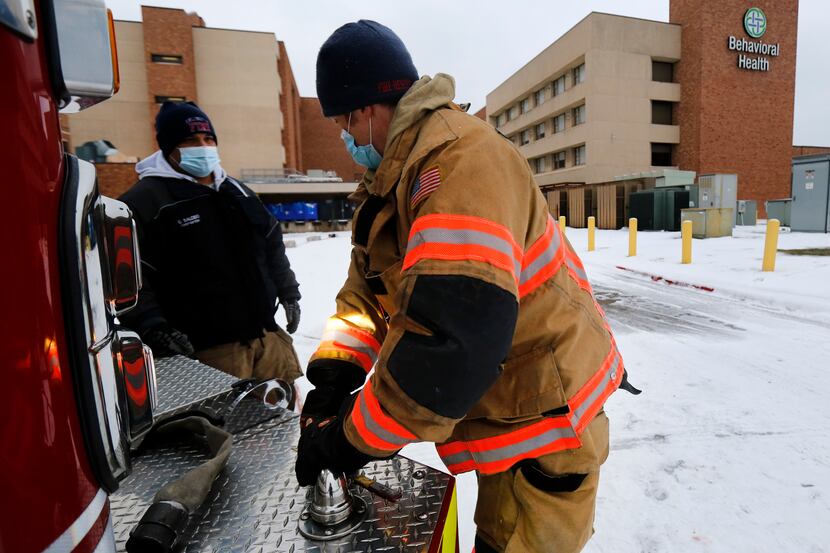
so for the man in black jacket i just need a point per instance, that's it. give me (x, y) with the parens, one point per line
(213, 259)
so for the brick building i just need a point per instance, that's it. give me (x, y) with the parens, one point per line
(242, 79)
(617, 102)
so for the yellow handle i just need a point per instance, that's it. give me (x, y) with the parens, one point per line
(562, 224)
(686, 233)
(771, 245)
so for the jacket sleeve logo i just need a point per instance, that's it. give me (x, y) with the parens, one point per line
(191, 220)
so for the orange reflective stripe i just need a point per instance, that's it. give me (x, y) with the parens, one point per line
(451, 252)
(374, 426)
(463, 237)
(542, 260)
(588, 401)
(548, 435)
(337, 350)
(499, 453)
(363, 336)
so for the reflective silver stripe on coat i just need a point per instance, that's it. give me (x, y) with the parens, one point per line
(465, 238)
(376, 429)
(510, 451)
(545, 258)
(607, 378)
(352, 342)
(580, 272)
(78, 530)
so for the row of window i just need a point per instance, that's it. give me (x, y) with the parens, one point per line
(557, 125)
(558, 160)
(538, 97)
(661, 156)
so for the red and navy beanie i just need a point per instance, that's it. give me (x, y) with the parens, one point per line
(361, 64)
(176, 121)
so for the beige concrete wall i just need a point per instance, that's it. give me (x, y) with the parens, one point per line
(239, 88)
(125, 119)
(617, 92)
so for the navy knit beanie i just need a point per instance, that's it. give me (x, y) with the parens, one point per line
(361, 64)
(178, 120)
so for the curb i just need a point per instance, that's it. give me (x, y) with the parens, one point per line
(658, 278)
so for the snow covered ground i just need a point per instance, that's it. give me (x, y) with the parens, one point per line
(728, 448)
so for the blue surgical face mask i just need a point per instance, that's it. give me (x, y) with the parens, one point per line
(199, 161)
(366, 155)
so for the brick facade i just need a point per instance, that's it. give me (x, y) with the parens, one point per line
(115, 178)
(290, 107)
(322, 146)
(169, 31)
(482, 113)
(810, 150)
(735, 120)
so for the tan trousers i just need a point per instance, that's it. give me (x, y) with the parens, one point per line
(514, 516)
(271, 356)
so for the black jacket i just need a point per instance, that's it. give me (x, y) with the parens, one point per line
(213, 262)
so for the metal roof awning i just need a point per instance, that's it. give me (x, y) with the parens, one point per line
(303, 188)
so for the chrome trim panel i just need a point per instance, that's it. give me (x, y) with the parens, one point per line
(20, 16)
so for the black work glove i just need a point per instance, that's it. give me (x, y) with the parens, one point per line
(292, 315)
(166, 341)
(323, 445)
(335, 380)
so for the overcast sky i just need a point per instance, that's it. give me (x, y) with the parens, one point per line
(483, 42)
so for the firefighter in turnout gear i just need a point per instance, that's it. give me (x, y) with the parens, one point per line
(466, 300)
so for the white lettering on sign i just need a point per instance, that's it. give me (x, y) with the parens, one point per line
(762, 49)
(809, 185)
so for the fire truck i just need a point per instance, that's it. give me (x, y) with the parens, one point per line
(82, 397)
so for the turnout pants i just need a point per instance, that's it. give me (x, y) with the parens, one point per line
(271, 356)
(545, 505)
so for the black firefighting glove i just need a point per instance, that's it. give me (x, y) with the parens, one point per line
(166, 341)
(323, 445)
(292, 315)
(335, 380)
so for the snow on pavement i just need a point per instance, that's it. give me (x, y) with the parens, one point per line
(728, 448)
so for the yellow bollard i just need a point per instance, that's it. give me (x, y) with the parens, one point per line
(592, 223)
(562, 223)
(632, 237)
(686, 235)
(771, 245)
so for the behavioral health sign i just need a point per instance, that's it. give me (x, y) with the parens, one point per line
(754, 54)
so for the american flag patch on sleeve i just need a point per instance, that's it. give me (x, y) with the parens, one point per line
(427, 183)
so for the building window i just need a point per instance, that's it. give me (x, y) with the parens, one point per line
(540, 131)
(662, 71)
(162, 99)
(525, 137)
(501, 119)
(578, 74)
(513, 113)
(525, 105)
(166, 58)
(661, 113)
(559, 86)
(538, 165)
(579, 155)
(559, 123)
(540, 96)
(579, 115)
(559, 160)
(661, 154)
